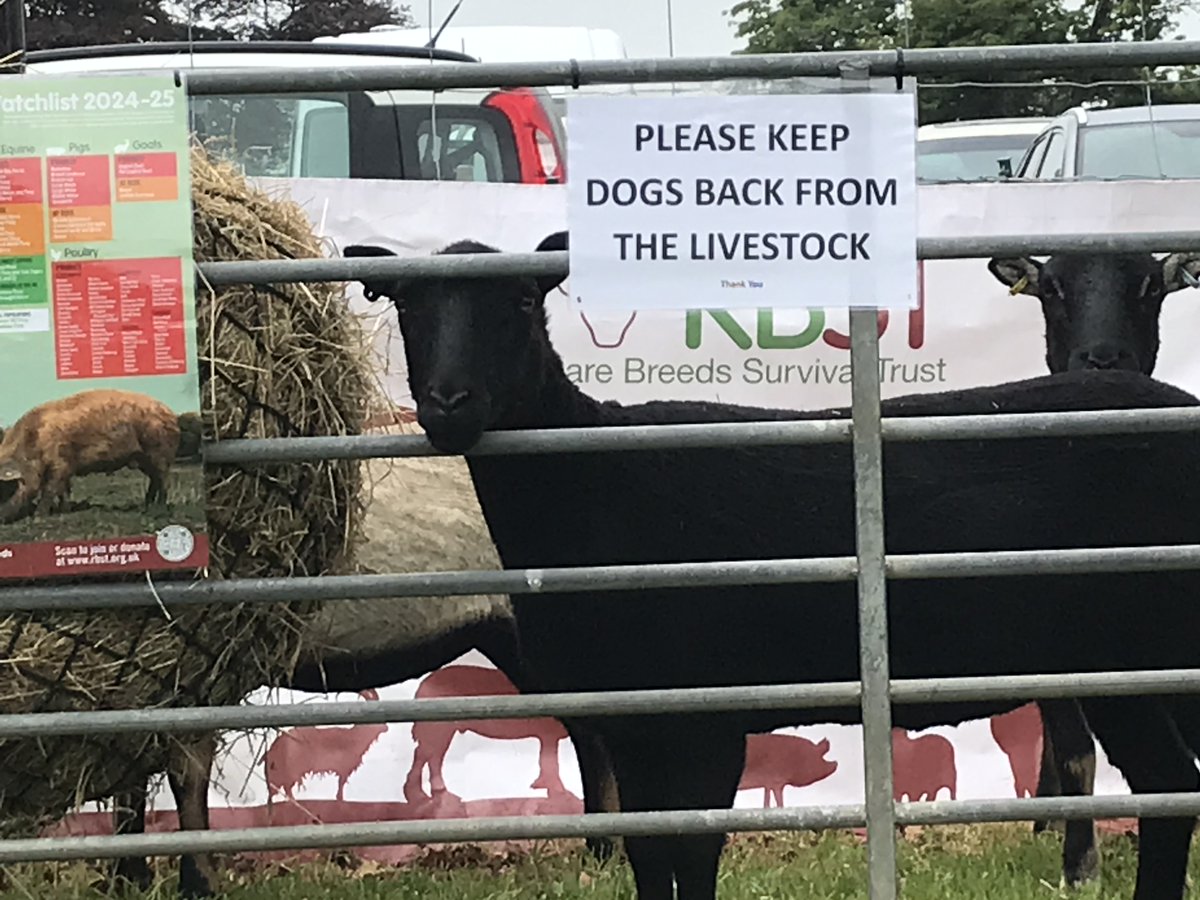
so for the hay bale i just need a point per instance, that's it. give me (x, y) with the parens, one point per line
(422, 516)
(275, 361)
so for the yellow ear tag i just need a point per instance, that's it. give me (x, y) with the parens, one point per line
(1019, 286)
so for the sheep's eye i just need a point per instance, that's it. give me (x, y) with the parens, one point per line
(1144, 289)
(400, 303)
(528, 303)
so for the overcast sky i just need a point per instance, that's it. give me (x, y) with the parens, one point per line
(701, 27)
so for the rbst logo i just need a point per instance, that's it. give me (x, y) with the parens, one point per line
(599, 342)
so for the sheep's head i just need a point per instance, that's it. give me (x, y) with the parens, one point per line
(473, 345)
(1101, 310)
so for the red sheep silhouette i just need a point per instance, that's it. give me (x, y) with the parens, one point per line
(1019, 735)
(301, 752)
(775, 761)
(922, 766)
(433, 738)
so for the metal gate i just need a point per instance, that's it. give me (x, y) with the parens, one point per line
(870, 567)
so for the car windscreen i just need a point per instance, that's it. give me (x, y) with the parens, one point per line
(968, 158)
(1164, 149)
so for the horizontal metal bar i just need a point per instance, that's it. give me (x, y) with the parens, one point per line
(994, 426)
(427, 831)
(554, 262)
(704, 821)
(1023, 688)
(983, 246)
(925, 61)
(455, 265)
(584, 579)
(950, 812)
(427, 584)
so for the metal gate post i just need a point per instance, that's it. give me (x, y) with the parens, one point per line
(872, 605)
(872, 583)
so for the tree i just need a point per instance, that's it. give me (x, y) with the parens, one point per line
(781, 26)
(70, 23)
(297, 20)
(309, 20)
(66, 23)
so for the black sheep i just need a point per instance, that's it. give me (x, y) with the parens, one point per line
(479, 358)
(1101, 311)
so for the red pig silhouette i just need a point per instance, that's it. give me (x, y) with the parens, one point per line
(1019, 735)
(301, 752)
(433, 738)
(922, 766)
(776, 761)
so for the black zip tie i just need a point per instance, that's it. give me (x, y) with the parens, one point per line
(899, 68)
(178, 80)
(574, 74)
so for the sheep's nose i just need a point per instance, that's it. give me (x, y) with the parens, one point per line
(449, 401)
(1105, 356)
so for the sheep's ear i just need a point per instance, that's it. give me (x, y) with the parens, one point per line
(373, 290)
(556, 241)
(1180, 270)
(1019, 274)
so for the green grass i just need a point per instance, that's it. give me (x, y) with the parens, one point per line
(1002, 862)
(111, 506)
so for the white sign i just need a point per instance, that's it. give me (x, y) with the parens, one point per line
(743, 202)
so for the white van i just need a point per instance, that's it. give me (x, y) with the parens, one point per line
(501, 43)
(511, 135)
(509, 44)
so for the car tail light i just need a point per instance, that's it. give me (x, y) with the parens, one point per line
(538, 151)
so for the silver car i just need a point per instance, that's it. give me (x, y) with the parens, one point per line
(1159, 141)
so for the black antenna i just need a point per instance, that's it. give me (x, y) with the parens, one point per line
(433, 40)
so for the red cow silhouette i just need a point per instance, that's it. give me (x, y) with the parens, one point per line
(1019, 735)
(775, 761)
(433, 738)
(301, 752)
(922, 766)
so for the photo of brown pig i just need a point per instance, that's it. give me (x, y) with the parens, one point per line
(94, 432)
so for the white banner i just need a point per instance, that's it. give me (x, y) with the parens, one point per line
(967, 331)
(743, 201)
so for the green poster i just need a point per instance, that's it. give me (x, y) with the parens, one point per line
(99, 461)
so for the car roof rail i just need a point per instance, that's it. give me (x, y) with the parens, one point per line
(154, 48)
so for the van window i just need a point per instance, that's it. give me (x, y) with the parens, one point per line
(967, 158)
(457, 142)
(459, 150)
(277, 135)
(1162, 149)
(324, 150)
